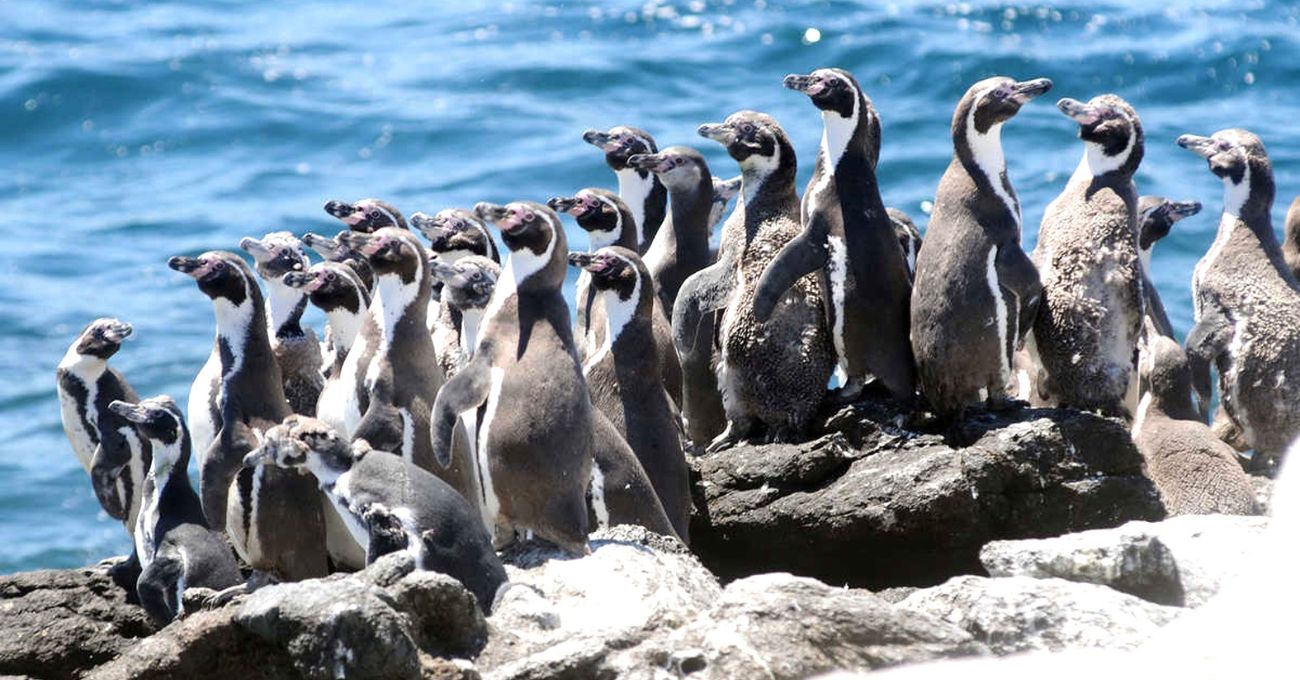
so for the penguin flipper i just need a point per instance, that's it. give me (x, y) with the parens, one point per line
(466, 390)
(702, 293)
(1017, 273)
(800, 257)
(386, 533)
(158, 587)
(224, 460)
(105, 470)
(1207, 340)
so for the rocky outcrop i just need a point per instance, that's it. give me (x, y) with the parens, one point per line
(872, 504)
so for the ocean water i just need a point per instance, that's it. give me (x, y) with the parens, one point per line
(134, 131)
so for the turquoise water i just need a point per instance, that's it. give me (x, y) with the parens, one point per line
(136, 131)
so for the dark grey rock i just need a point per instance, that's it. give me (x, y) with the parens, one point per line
(443, 617)
(208, 645)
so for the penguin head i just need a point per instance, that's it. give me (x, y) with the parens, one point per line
(220, 275)
(754, 139)
(454, 233)
(537, 244)
(1157, 215)
(1163, 369)
(366, 215)
(993, 101)
(102, 338)
(904, 228)
(680, 168)
(331, 286)
(276, 254)
(467, 283)
(615, 270)
(1110, 130)
(389, 250)
(1236, 156)
(723, 191)
(300, 441)
(329, 248)
(830, 89)
(600, 212)
(157, 419)
(621, 143)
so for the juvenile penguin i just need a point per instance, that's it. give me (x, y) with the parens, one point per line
(976, 291)
(534, 435)
(771, 373)
(389, 504)
(105, 444)
(1156, 216)
(467, 287)
(641, 190)
(909, 237)
(1291, 238)
(296, 348)
(1195, 472)
(1245, 304)
(723, 191)
(849, 240)
(607, 222)
(333, 251)
(273, 517)
(176, 548)
(1090, 314)
(623, 377)
(367, 215)
(681, 247)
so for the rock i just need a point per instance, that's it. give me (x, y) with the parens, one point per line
(870, 504)
(1263, 493)
(443, 617)
(60, 623)
(1181, 561)
(1016, 613)
(208, 645)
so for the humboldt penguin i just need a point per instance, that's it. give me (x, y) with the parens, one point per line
(467, 287)
(389, 504)
(849, 240)
(1245, 304)
(1156, 216)
(296, 348)
(176, 548)
(909, 237)
(1090, 313)
(333, 251)
(453, 234)
(641, 190)
(723, 191)
(273, 517)
(773, 373)
(367, 215)
(1291, 241)
(976, 291)
(534, 438)
(681, 247)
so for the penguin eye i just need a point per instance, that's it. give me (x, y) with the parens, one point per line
(746, 128)
(679, 161)
(529, 216)
(476, 276)
(373, 214)
(329, 276)
(219, 265)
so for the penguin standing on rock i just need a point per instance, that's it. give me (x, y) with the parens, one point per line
(1090, 315)
(367, 215)
(641, 190)
(771, 374)
(176, 548)
(332, 251)
(296, 348)
(534, 439)
(1245, 304)
(273, 517)
(976, 292)
(849, 239)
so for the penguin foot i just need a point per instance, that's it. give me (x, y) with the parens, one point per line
(260, 579)
(734, 434)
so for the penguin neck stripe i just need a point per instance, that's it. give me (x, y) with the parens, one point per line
(986, 152)
(520, 264)
(1236, 194)
(600, 239)
(233, 326)
(87, 367)
(285, 304)
(619, 312)
(837, 132)
(754, 172)
(1094, 154)
(635, 190)
(393, 297)
(344, 326)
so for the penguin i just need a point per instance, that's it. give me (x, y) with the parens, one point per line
(107, 446)
(455, 233)
(467, 289)
(771, 373)
(681, 247)
(620, 491)
(1291, 240)
(623, 377)
(367, 215)
(1156, 216)
(1091, 309)
(641, 190)
(534, 436)
(1245, 303)
(849, 239)
(176, 548)
(389, 504)
(976, 291)
(396, 370)
(1195, 472)
(296, 348)
(333, 251)
(723, 191)
(909, 238)
(607, 221)
(273, 517)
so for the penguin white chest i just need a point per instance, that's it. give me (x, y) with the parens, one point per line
(340, 496)
(1000, 313)
(203, 428)
(83, 441)
(491, 505)
(837, 271)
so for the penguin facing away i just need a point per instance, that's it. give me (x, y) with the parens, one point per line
(332, 251)
(176, 548)
(389, 504)
(367, 215)
(849, 240)
(297, 350)
(976, 291)
(641, 190)
(534, 440)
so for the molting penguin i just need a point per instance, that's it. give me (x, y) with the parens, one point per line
(296, 348)
(273, 517)
(1156, 216)
(467, 287)
(641, 190)
(333, 251)
(1090, 314)
(176, 548)
(623, 377)
(1245, 303)
(389, 504)
(772, 373)
(681, 247)
(849, 239)
(534, 438)
(1291, 238)
(909, 237)
(367, 215)
(976, 291)
(1195, 472)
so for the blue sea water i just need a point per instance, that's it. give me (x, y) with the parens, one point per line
(133, 131)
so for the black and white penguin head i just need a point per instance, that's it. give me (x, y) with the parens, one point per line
(467, 283)
(329, 248)
(220, 275)
(1157, 216)
(601, 213)
(302, 441)
(366, 215)
(723, 191)
(159, 420)
(331, 286)
(532, 233)
(756, 141)
(830, 89)
(1238, 158)
(993, 101)
(680, 168)
(101, 339)
(276, 254)
(620, 143)
(454, 233)
(616, 270)
(390, 250)
(1111, 133)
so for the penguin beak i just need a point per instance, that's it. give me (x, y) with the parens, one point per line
(1026, 90)
(808, 85)
(442, 271)
(725, 191)
(564, 204)
(718, 132)
(116, 331)
(490, 212)
(344, 211)
(579, 259)
(600, 139)
(132, 412)
(1083, 114)
(325, 246)
(366, 244)
(654, 162)
(257, 249)
(1180, 209)
(1205, 147)
(196, 267)
(298, 280)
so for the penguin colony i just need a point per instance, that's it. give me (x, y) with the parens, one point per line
(452, 407)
